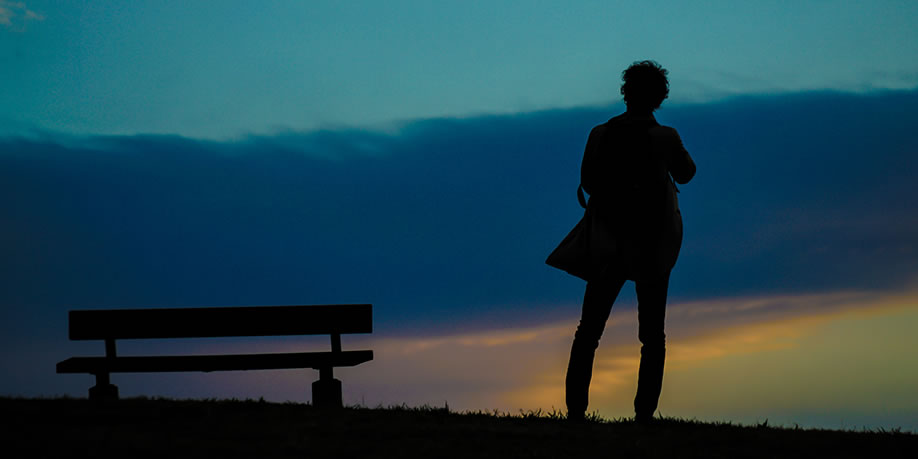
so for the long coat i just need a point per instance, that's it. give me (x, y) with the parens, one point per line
(628, 169)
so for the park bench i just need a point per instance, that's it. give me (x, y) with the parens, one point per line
(114, 324)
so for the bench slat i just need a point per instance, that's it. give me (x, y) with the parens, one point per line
(229, 362)
(219, 322)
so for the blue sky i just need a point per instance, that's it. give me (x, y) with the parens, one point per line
(423, 157)
(226, 69)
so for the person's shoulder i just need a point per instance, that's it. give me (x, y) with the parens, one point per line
(612, 123)
(664, 131)
(599, 129)
(617, 120)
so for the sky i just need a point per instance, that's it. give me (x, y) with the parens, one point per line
(423, 157)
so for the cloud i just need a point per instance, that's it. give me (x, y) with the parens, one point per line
(446, 222)
(839, 368)
(700, 334)
(795, 358)
(15, 15)
(444, 225)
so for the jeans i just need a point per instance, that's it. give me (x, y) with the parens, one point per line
(597, 304)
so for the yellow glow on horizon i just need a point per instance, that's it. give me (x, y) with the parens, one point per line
(739, 359)
(854, 358)
(765, 337)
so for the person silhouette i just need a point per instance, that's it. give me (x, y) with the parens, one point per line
(628, 169)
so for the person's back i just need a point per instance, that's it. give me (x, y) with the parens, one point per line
(628, 169)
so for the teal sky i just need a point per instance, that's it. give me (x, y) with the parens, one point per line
(224, 69)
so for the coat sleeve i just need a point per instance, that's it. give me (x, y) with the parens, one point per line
(590, 169)
(678, 160)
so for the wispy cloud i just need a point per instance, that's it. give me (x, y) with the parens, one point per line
(789, 336)
(817, 359)
(523, 367)
(15, 15)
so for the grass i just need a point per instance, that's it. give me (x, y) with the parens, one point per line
(159, 428)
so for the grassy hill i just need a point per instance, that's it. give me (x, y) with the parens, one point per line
(171, 428)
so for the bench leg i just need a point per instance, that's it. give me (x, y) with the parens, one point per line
(326, 392)
(104, 390)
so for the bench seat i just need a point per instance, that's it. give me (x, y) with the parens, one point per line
(207, 363)
(111, 325)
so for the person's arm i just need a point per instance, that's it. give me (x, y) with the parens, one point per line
(590, 168)
(678, 160)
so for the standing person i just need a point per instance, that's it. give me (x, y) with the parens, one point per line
(628, 169)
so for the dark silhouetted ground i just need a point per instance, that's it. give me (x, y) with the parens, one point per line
(168, 428)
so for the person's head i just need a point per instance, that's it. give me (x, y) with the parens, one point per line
(644, 86)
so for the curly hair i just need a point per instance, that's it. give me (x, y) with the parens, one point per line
(645, 86)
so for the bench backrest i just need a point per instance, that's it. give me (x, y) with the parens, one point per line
(215, 322)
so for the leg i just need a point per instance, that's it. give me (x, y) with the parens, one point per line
(651, 293)
(597, 304)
